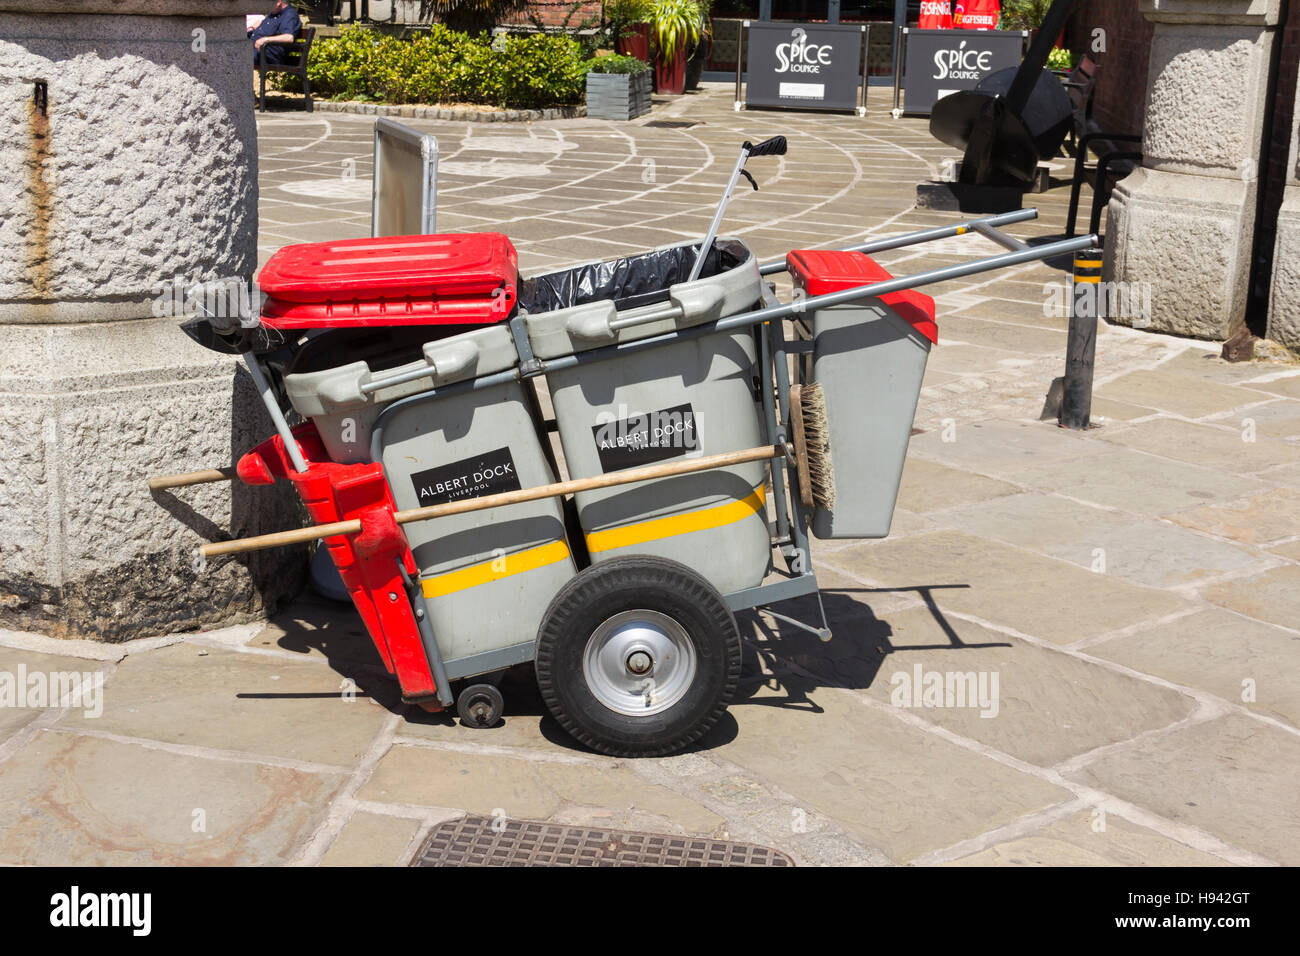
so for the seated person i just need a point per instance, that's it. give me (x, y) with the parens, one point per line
(278, 27)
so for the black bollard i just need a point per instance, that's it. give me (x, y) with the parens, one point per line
(1086, 304)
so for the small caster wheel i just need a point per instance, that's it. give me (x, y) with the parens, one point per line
(480, 705)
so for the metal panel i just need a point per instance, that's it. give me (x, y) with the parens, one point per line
(404, 194)
(803, 66)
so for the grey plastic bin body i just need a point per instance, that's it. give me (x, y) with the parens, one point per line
(487, 576)
(869, 363)
(683, 399)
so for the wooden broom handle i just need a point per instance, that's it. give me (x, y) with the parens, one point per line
(301, 535)
(192, 478)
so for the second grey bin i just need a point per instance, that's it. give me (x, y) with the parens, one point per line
(689, 398)
(869, 359)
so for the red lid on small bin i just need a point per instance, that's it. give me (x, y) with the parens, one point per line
(819, 271)
(391, 280)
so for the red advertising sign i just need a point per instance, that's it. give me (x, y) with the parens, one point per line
(936, 15)
(976, 14)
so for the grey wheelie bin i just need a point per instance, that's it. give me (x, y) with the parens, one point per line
(689, 397)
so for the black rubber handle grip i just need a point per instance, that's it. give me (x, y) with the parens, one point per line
(769, 147)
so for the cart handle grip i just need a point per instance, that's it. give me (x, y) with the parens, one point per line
(775, 146)
(555, 490)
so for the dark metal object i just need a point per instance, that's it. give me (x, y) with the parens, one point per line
(1101, 187)
(1081, 343)
(1008, 122)
(495, 841)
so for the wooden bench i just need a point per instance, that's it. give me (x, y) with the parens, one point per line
(297, 52)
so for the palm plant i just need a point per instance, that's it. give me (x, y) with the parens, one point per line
(674, 24)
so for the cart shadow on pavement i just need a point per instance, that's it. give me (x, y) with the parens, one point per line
(782, 656)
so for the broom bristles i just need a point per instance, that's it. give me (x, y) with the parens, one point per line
(817, 440)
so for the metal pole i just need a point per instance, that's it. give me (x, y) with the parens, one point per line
(899, 39)
(923, 235)
(1081, 343)
(866, 54)
(273, 409)
(717, 216)
(740, 60)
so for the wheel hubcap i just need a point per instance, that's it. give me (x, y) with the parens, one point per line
(639, 663)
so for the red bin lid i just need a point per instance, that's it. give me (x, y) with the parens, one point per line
(820, 271)
(391, 280)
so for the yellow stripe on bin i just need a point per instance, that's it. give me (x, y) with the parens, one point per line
(1087, 263)
(1084, 280)
(657, 528)
(494, 570)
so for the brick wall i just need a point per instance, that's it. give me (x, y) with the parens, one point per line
(1120, 102)
(552, 13)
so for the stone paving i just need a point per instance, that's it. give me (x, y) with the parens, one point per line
(1134, 590)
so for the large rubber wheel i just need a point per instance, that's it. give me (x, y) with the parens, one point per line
(638, 656)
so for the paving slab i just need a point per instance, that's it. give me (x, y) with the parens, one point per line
(1090, 838)
(1238, 450)
(22, 672)
(1141, 550)
(198, 696)
(372, 839)
(1256, 519)
(1233, 777)
(928, 486)
(1272, 596)
(1031, 593)
(1135, 481)
(1238, 658)
(68, 800)
(1181, 394)
(1004, 449)
(1035, 703)
(1004, 335)
(531, 789)
(890, 785)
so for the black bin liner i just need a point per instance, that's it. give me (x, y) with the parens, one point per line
(631, 281)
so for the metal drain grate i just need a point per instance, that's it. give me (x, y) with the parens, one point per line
(488, 841)
(671, 124)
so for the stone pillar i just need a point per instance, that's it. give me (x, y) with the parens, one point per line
(1284, 296)
(135, 170)
(1184, 221)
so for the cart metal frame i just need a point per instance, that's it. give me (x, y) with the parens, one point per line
(789, 527)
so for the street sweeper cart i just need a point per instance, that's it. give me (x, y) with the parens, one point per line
(702, 432)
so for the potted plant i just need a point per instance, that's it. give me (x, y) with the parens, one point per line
(628, 24)
(700, 55)
(675, 28)
(618, 88)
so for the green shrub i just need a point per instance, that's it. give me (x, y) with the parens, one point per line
(1060, 59)
(443, 66)
(617, 64)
